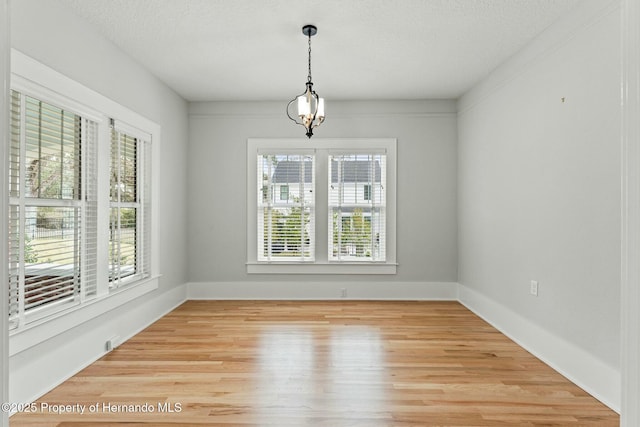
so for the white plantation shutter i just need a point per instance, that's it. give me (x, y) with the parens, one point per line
(357, 207)
(286, 207)
(129, 239)
(52, 151)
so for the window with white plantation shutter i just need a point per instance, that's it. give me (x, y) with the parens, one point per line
(357, 202)
(285, 202)
(129, 208)
(53, 202)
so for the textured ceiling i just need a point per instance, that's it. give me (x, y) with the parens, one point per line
(364, 49)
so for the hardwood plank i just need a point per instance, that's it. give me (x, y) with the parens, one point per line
(320, 363)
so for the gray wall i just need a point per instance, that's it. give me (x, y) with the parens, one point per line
(539, 184)
(426, 182)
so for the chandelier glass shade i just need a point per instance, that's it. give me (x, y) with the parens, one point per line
(307, 109)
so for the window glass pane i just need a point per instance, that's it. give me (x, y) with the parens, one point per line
(51, 255)
(122, 243)
(52, 155)
(124, 177)
(286, 232)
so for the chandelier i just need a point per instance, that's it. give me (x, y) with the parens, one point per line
(310, 107)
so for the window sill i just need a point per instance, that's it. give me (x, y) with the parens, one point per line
(39, 331)
(276, 267)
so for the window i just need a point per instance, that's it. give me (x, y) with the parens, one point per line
(366, 190)
(349, 185)
(81, 223)
(285, 226)
(127, 212)
(357, 218)
(284, 192)
(52, 249)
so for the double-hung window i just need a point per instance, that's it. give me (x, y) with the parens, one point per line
(52, 246)
(128, 206)
(321, 206)
(285, 207)
(357, 202)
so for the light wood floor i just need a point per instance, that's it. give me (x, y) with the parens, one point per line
(342, 363)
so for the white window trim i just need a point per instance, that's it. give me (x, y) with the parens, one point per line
(322, 147)
(36, 79)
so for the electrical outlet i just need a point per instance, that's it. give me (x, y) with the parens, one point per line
(343, 292)
(534, 288)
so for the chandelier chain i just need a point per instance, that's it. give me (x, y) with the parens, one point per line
(309, 76)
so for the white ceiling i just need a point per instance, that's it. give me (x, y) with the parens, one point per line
(364, 49)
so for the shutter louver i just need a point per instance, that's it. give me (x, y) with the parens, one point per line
(286, 211)
(357, 203)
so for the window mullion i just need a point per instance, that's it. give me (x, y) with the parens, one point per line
(320, 244)
(103, 206)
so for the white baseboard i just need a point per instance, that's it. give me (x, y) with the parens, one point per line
(302, 290)
(38, 369)
(592, 375)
